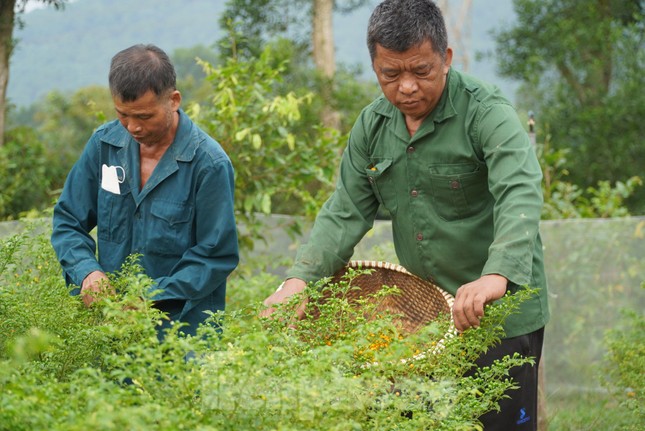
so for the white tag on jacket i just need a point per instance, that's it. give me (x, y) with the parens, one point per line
(110, 179)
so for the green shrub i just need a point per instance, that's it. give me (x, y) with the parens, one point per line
(280, 166)
(65, 367)
(625, 368)
(24, 184)
(563, 199)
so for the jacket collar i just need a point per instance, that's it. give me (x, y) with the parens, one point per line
(182, 149)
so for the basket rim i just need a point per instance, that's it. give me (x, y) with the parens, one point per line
(367, 264)
(450, 299)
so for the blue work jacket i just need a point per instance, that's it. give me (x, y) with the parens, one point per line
(182, 222)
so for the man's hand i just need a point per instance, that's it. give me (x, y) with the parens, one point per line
(95, 282)
(290, 287)
(472, 297)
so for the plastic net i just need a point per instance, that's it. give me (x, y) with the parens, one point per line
(595, 268)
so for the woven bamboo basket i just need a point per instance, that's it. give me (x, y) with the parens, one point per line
(419, 301)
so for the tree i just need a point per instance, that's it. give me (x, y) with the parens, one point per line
(581, 66)
(324, 55)
(255, 21)
(10, 11)
(191, 78)
(275, 160)
(65, 122)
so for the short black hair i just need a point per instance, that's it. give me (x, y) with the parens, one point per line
(398, 25)
(141, 68)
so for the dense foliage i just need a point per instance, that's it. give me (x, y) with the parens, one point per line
(65, 367)
(580, 64)
(564, 200)
(277, 162)
(24, 183)
(626, 362)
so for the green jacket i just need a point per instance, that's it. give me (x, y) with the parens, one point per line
(464, 196)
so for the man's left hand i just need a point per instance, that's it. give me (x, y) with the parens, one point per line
(472, 297)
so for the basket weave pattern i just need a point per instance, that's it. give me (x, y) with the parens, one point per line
(419, 301)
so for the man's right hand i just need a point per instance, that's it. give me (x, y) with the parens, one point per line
(289, 288)
(95, 282)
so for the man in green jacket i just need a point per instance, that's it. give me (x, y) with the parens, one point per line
(447, 157)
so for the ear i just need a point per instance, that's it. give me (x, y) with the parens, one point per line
(175, 100)
(448, 61)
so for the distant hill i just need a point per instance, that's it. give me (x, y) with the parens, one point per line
(72, 48)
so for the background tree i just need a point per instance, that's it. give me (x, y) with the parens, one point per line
(9, 17)
(191, 78)
(278, 165)
(581, 66)
(308, 22)
(64, 124)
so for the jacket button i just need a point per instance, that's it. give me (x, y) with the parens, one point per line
(411, 149)
(414, 193)
(419, 236)
(454, 184)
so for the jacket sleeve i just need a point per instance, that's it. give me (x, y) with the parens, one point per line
(205, 266)
(75, 216)
(344, 219)
(515, 183)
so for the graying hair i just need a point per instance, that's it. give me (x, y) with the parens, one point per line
(140, 68)
(398, 25)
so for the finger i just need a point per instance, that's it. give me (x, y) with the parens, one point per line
(268, 301)
(267, 312)
(465, 312)
(471, 313)
(87, 300)
(273, 299)
(300, 311)
(458, 311)
(478, 306)
(465, 321)
(460, 319)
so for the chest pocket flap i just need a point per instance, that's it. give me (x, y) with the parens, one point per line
(170, 230)
(380, 179)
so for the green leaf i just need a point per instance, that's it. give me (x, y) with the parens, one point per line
(291, 141)
(256, 141)
(239, 136)
(266, 203)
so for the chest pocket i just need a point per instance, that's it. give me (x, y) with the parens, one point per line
(459, 190)
(170, 230)
(114, 212)
(379, 176)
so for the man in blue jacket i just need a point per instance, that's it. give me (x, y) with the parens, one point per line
(154, 184)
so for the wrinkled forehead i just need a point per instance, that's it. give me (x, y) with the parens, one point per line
(420, 53)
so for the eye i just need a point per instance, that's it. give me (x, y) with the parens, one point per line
(390, 75)
(423, 72)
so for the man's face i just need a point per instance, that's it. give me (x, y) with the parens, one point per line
(150, 118)
(412, 80)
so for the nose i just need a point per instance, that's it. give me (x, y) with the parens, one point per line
(133, 127)
(408, 84)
